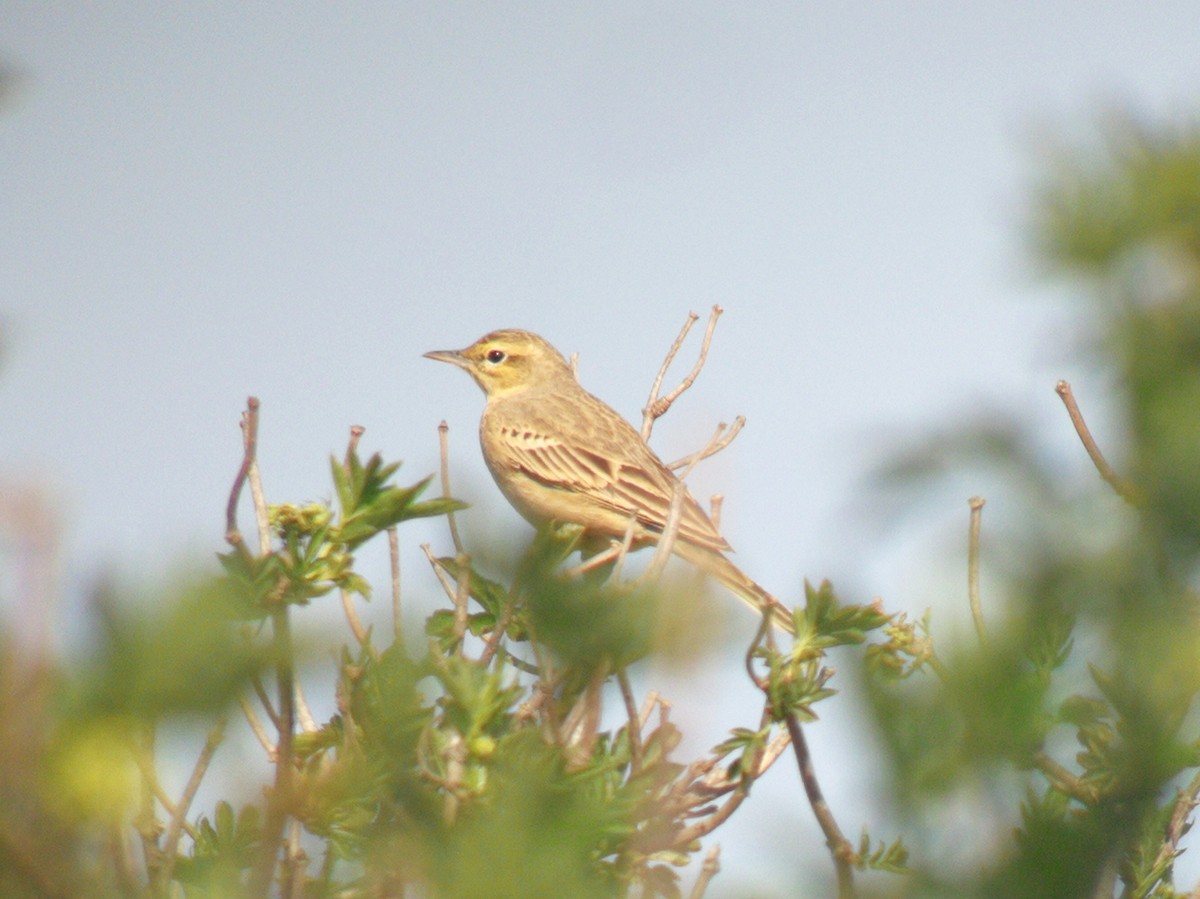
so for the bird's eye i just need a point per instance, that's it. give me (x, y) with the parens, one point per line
(496, 356)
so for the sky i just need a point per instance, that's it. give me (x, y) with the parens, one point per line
(208, 201)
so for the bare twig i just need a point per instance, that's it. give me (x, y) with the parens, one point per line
(615, 553)
(304, 715)
(708, 870)
(736, 797)
(261, 693)
(462, 595)
(839, 847)
(444, 453)
(634, 729)
(976, 504)
(145, 765)
(595, 561)
(356, 432)
(492, 646)
(648, 705)
(624, 546)
(666, 542)
(256, 726)
(648, 414)
(721, 439)
(660, 406)
(176, 824)
(146, 823)
(249, 426)
(1122, 487)
(714, 510)
(394, 557)
(352, 619)
(261, 516)
(440, 572)
(279, 802)
(295, 861)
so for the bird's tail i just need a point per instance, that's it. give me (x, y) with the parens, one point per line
(736, 581)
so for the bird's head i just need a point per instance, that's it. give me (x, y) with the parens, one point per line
(509, 361)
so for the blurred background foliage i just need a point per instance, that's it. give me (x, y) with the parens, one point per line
(1057, 755)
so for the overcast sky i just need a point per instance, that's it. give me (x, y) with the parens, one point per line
(206, 201)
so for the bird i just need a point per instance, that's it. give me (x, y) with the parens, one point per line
(559, 453)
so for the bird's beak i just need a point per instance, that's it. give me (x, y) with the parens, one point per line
(454, 357)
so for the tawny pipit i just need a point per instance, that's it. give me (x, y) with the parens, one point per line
(557, 452)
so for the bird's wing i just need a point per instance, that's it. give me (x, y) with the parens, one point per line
(622, 476)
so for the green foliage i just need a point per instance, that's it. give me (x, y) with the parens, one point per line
(480, 764)
(1097, 646)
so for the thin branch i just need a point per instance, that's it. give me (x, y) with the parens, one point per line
(652, 699)
(839, 847)
(1123, 488)
(462, 596)
(175, 825)
(146, 823)
(279, 803)
(648, 415)
(304, 714)
(662, 552)
(394, 557)
(736, 797)
(634, 729)
(976, 504)
(351, 613)
(256, 726)
(708, 870)
(718, 442)
(657, 408)
(150, 779)
(492, 646)
(440, 572)
(615, 553)
(295, 861)
(249, 426)
(444, 453)
(356, 432)
(261, 516)
(261, 693)
(126, 872)
(714, 510)
(1063, 780)
(624, 546)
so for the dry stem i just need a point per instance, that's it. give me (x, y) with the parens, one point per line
(657, 406)
(444, 454)
(1123, 488)
(976, 503)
